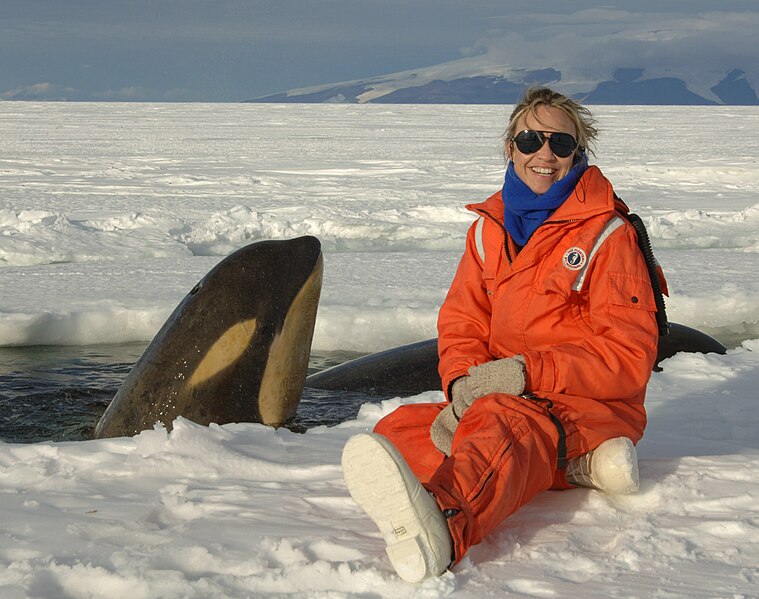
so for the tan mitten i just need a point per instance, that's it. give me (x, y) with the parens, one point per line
(506, 375)
(444, 425)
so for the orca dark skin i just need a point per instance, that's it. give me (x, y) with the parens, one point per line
(236, 348)
(412, 369)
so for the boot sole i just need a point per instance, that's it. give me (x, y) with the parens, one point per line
(387, 494)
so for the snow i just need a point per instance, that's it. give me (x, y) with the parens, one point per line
(109, 214)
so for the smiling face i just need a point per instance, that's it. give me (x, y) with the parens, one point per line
(543, 168)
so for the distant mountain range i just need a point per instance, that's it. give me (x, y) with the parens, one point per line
(444, 85)
(598, 55)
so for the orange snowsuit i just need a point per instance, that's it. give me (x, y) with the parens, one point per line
(576, 301)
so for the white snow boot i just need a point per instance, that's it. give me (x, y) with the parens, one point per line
(612, 467)
(418, 541)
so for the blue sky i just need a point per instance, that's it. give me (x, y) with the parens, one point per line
(230, 50)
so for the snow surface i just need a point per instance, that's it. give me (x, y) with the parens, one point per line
(109, 213)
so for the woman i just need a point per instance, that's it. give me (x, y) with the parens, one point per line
(547, 338)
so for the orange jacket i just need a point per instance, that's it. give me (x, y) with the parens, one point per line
(576, 302)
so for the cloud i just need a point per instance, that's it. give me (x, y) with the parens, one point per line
(42, 91)
(132, 93)
(136, 93)
(54, 92)
(584, 45)
(233, 49)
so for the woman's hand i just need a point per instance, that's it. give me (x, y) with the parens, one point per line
(506, 375)
(499, 376)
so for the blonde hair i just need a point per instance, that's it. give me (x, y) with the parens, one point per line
(542, 96)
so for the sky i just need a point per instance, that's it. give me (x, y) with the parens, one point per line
(232, 50)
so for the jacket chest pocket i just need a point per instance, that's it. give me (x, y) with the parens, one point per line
(629, 291)
(492, 263)
(488, 282)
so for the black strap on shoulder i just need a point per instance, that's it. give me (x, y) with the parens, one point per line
(644, 243)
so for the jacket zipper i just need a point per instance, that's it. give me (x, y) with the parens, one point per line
(560, 222)
(505, 234)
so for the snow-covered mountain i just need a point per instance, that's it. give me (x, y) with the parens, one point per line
(601, 56)
(623, 88)
(626, 86)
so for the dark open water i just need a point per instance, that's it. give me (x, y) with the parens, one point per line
(58, 393)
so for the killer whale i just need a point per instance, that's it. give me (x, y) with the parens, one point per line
(235, 349)
(412, 369)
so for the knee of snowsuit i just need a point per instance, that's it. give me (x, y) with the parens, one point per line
(505, 451)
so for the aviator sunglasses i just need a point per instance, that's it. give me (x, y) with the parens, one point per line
(529, 142)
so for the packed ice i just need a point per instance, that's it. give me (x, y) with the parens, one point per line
(110, 213)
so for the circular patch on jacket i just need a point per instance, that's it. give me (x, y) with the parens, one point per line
(575, 258)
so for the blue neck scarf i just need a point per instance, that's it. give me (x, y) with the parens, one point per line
(524, 210)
